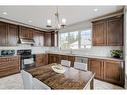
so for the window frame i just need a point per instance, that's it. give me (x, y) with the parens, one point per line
(79, 39)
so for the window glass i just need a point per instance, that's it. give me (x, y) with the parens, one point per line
(64, 40)
(73, 40)
(86, 40)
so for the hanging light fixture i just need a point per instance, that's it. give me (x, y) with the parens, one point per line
(57, 21)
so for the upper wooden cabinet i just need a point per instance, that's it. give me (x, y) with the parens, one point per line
(3, 34)
(115, 31)
(12, 35)
(8, 34)
(38, 38)
(108, 32)
(25, 32)
(51, 39)
(47, 39)
(99, 33)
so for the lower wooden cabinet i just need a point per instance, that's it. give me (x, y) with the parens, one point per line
(96, 66)
(114, 72)
(108, 70)
(9, 65)
(41, 59)
(53, 58)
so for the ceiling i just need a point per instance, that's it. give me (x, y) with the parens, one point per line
(39, 14)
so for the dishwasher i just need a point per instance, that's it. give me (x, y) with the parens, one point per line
(81, 63)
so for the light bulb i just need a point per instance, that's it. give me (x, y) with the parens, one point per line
(49, 22)
(63, 21)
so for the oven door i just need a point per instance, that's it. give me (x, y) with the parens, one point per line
(28, 62)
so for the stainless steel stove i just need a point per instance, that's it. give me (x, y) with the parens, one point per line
(27, 58)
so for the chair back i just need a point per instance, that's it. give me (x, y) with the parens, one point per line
(80, 66)
(27, 79)
(66, 63)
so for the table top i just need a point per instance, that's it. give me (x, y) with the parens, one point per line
(70, 79)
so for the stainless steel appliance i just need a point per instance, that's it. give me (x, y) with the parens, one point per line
(82, 60)
(27, 59)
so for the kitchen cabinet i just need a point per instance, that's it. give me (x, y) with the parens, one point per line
(41, 59)
(3, 34)
(8, 34)
(96, 66)
(107, 70)
(25, 32)
(114, 72)
(54, 58)
(115, 31)
(38, 38)
(51, 39)
(47, 39)
(108, 32)
(99, 33)
(12, 37)
(9, 65)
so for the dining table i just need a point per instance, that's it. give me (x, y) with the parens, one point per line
(71, 79)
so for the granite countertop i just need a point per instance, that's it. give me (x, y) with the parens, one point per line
(87, 56)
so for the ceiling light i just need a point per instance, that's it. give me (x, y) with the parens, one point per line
(95, 9)
(57, 25)
(30, 21)
(5, 13)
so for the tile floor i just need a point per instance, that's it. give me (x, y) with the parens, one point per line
(15, 82)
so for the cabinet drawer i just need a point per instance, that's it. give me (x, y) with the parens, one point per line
(7, 64)
(9, 70)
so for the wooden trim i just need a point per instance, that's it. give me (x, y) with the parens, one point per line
(118, 13)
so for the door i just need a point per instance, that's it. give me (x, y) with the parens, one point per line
(96, 66)
(3, 34)
(12, 35)
(114, 72)
(115, 31)
(99, 33)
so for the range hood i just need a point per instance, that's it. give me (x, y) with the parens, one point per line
(26, 41)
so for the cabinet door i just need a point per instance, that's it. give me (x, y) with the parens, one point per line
(114, 72)
(99, 33)
(41, 39)
(54, 38)
(30, 33)
(47, 39)
(41, 59)
(96, 66)
(54, 58)
(12, 35)
(23, 32)
(3, 34)
(10, 66)
(36, 36)
(115, 31)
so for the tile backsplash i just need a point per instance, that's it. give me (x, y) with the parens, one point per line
(95, 51)
(35, 50)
